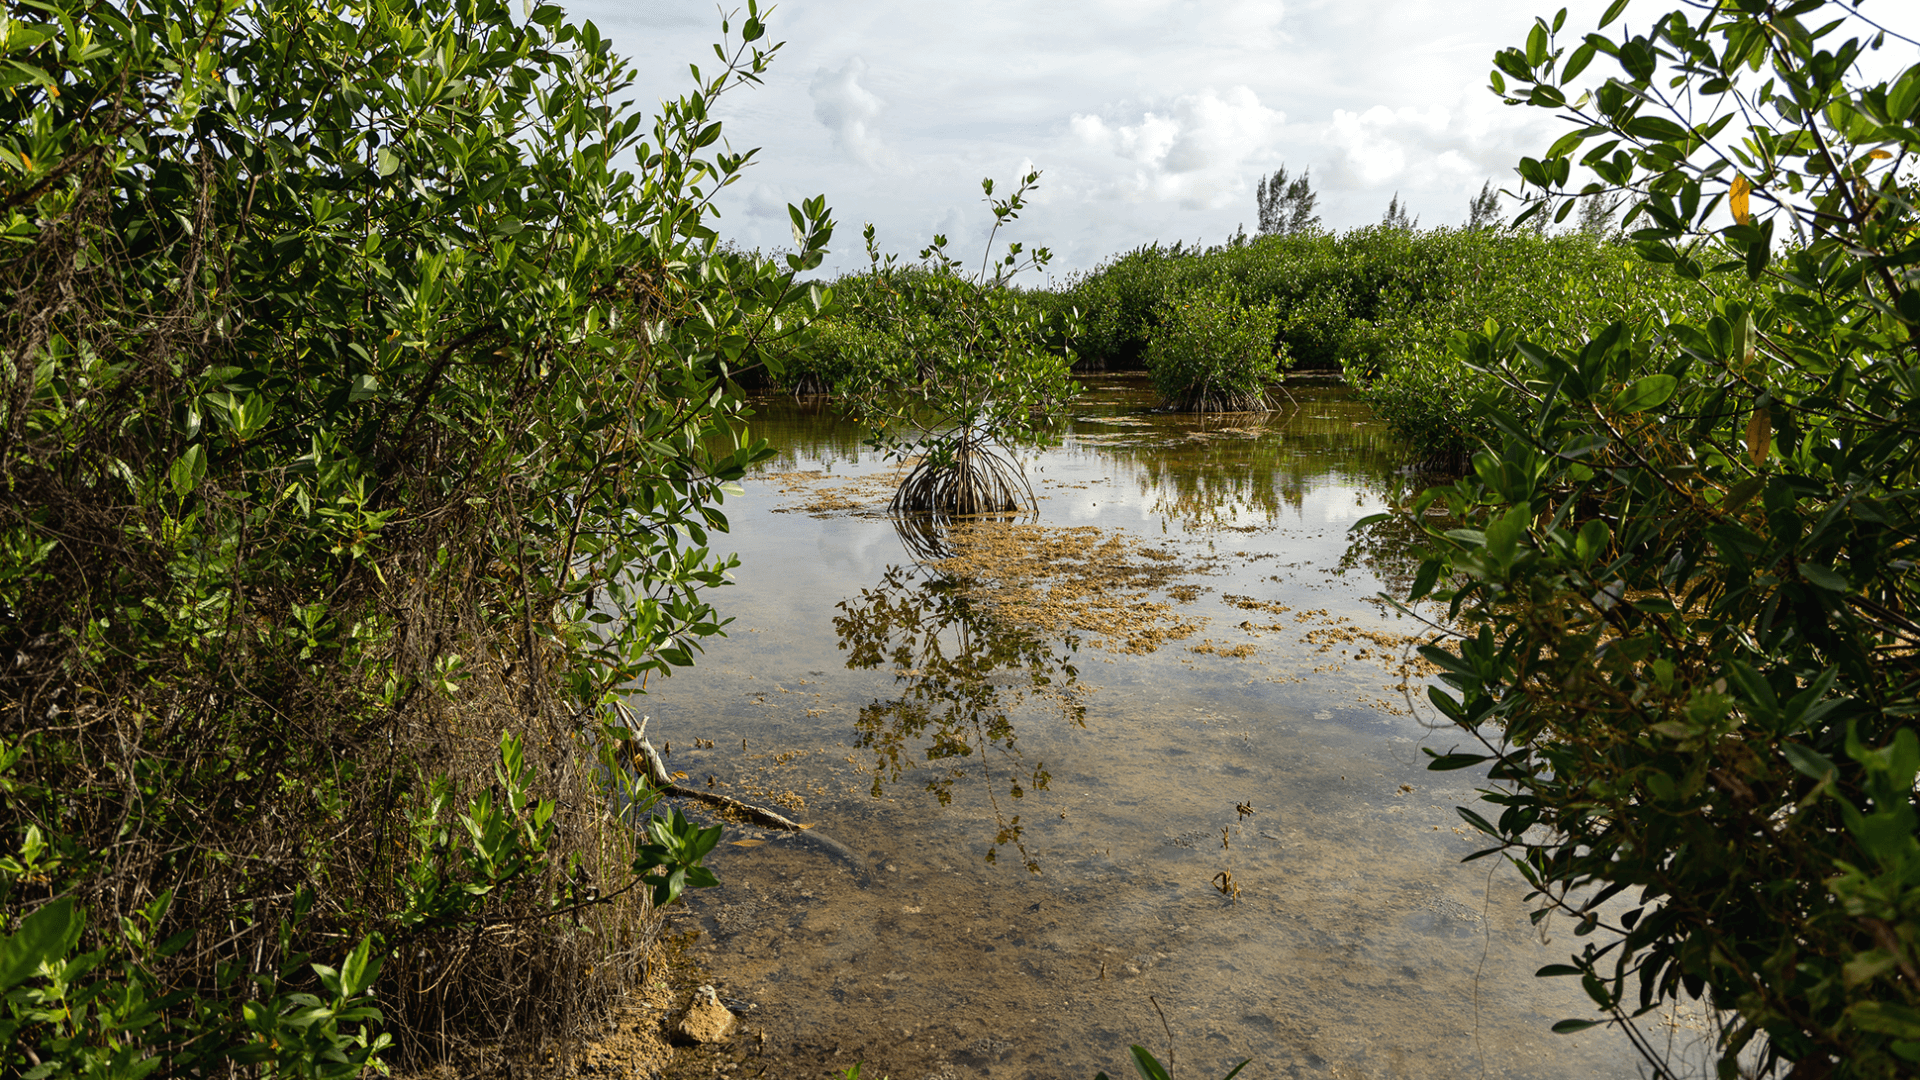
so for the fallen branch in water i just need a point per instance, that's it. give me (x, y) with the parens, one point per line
(656, 771)
(645, 755)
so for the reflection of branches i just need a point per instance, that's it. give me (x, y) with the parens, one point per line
(961, 674)
(928, 537)
(1390, 547)
(1257, 468)
(924, 536)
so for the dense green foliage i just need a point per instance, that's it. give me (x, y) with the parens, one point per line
(1211, 351)
(947, 366)
(1380, 304)
(1685, 571)
(358, 404)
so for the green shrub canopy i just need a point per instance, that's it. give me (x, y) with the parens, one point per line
(1683, 565)
(356, 402)
(1212, 352)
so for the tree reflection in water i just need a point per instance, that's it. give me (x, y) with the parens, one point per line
(1391, 545)
(962, 673)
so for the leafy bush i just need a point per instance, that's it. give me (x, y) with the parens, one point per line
(958, 366)
(1685, 575)
(1380, 304)
(1212, 352)
(830, 356)
(1119, 301)
(356, 427)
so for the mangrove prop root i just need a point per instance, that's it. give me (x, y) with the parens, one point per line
(976, 481)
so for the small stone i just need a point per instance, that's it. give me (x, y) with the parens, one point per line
(705, 1021)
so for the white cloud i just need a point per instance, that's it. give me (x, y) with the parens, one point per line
(766, 201)
(845, 108)
(1374, 145)
(1195, 151)
(1151, 119)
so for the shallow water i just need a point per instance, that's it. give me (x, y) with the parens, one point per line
(1169, 763)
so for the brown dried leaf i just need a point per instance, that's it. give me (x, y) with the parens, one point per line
(1759, 435)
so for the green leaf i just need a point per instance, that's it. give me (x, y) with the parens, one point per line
(1807, 761)
(1592, 541)
(1823, 577)
(1505, 531)
(1568, 1027)
(1445, 702)
(1886, 1018)
(1478, 822)
(1148, 1067)
(46, 935)
(1760, 252)
(1645, 393)
(360, 970)
(1656, 129)
(1577, 63)
(1424, 578)
(187, 471)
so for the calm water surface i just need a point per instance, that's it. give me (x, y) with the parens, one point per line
(1050, 823)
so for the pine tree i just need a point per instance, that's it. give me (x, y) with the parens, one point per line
(1596, 214)
(1397, 217)
(1483, 211)
(1301, 197)
(1286, 206)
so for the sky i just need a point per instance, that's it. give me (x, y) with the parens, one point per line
(1149, 120)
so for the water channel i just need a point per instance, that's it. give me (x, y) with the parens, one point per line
(1149, 752)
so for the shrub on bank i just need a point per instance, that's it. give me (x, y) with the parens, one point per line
(360, 441)
(830, 355)
(1683, 582)
(1213, 353)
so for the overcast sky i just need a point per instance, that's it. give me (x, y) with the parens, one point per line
(1149, 119)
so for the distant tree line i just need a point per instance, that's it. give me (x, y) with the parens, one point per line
(1284, 207)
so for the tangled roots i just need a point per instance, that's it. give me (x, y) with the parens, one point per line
(1202, 398)
(973, 481)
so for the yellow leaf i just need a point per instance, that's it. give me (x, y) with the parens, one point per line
(746, 843)
(1737, 199)
(1759, 435)
(679, 776)
(1878, 155)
